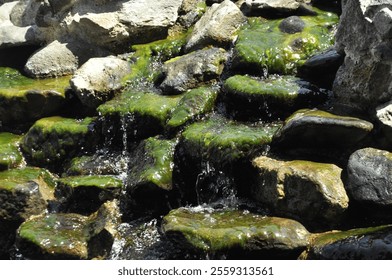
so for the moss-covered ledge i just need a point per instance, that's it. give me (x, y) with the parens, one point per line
(10, 155)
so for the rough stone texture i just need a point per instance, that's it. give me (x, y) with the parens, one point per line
(308, 191)
(356, 244)
(370, 177)
(239, 231)
(25, 12)
(216, 27)
(191, 70)
(53, 60)
(12, 36)
(364, 81)
(384, 118)
(315, 128)
(270, 7)
(98, 79)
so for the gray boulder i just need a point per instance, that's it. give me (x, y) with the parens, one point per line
(271, 7)
(369, 177)
(363, 81)
(384, 118)
(192, 70)
(216, 27)
(98, 79)
(54, 60)
(309, 191)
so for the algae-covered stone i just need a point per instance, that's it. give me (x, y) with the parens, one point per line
(150, 174)
(356, 244)
(192, 70)
(194, 104)
(85, 194)
(23, 99)
(138, 115)
(68, 236)
(369, 174)
(234, 230)
(52, 140)
(24, 192)
(309, 191)
(262, 46)
(213, 148)
(246, 97)
(10, 155)
(316, 128)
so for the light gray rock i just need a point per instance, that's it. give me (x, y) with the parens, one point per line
(54, 60)
(13, 36)
(309, 191)
(25, 12)
(369, 176)
(216, 27)
(363, 82)
(191, 70)
(5, 11)
(384, 117)
(257, 7)
(98, 79)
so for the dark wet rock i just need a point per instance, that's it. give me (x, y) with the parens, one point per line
(67, 236)
(23, 99)
(137, 114)
(363, 35)
(53, 60)
(216, 27)
(51, 141)
(85, 194)
(356, 244)
(190, 12)
(292, 25)
(10, 155)
(310, 192)
(192, 70)
(262, 47)
(319, 129)
(150, 175)
(98, 79)
(193, 105)
(235, 232)
(97, 164)
(24, 192)
(207, 153)
(249, 98)
(321, 68)
(369, 177)
(24, 13)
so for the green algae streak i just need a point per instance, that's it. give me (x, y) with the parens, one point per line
(10, 155)
(98, 181)
(11, 179)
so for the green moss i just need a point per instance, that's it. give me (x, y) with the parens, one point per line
(11, 179)
(60, 125)
(141, 103)
(15, 85)
(193, 104)
(225, 230)
(10, 155)
(228, 139)
(262, 45)
(98, 181)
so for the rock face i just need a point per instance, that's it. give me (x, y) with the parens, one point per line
(364, 34)
(10, 155)
(235, 231)
(216, 27)
(308, 191)
(315, 128)
(369, 177)
(98, 79)
(192, 70)
(272, 8)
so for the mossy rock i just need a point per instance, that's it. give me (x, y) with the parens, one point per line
(150, 175)
(66, 236)
(262, 46)
(319, 129)
(194, 104)
(85, 194)
(230, 231)
(137, 114)
(23, 99)
(249, 98)
(10, 155)
(51, 141)
(355, 244)
(310, 192)
(215, 147)
(24, 192)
